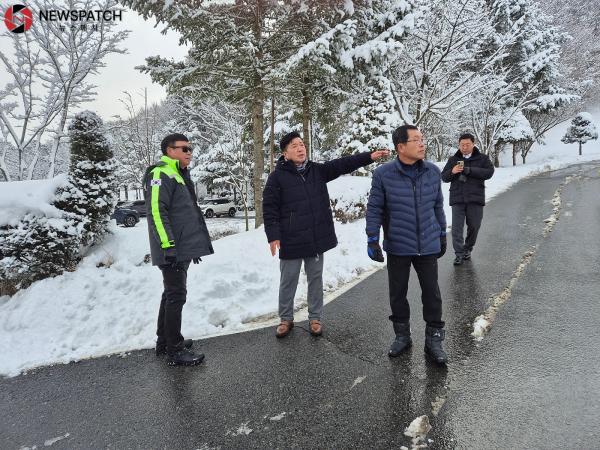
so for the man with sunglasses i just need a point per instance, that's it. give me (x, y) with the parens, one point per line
(178, 236)
(406, 200)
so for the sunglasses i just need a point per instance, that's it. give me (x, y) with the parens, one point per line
(184, 148)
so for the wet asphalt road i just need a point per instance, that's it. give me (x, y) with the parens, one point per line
(531, 383)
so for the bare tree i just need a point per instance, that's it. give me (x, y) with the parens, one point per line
(49, 70)
(136, 139)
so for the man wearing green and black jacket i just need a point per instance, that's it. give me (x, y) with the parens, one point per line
(178, 236)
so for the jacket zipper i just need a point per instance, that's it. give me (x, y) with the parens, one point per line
(313, 213)
(414, 183)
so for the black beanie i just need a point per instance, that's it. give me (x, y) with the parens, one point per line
(284, 142)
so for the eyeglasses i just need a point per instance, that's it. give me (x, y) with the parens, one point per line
(184, 148)
(422, 141)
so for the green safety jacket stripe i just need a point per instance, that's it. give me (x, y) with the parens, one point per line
(158, 223)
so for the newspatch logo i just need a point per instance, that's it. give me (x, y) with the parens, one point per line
(18, 18)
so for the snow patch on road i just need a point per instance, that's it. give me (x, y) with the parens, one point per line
(417, 430)
(243, 429)
(357, 382)
(50, 442)
(278, 417)
(483, 323)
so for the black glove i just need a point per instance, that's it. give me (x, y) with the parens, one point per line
(374, 249)
(171, 258)
(443, 245)
(196, 260)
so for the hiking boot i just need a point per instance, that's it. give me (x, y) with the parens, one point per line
(316, 329)
(458, 260)
(161, 348)
(467, 255)
(284, 328)
(433, 344)
(402, 341)
(184, 357)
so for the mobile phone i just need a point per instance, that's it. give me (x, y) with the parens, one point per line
(460, 163)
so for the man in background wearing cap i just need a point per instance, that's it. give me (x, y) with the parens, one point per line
(299, 223)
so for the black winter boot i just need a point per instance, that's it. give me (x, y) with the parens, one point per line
(184, 357)
(402, 341)
(433, 344)
(161, 347)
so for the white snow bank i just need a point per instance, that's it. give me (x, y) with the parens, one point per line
(19, 198)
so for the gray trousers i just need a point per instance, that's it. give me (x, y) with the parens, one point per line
(290, 272)
(472, 213)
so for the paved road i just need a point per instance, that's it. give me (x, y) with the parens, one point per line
(533, 380)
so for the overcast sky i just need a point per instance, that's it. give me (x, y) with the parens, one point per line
(119, 74)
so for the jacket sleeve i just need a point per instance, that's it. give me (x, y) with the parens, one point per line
(483, 173)
(160, 187)
(347, 164)
(447, 175)
(375, 206)
(439, 210)
(271, 208)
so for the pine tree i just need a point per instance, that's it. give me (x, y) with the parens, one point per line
(372, 121)
(37, 247)
(581, 130)
(90, 195)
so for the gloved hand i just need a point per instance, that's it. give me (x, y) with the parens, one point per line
(196, 260)
(374, 249)
(443, 245)
(171, 257)
(467, 170)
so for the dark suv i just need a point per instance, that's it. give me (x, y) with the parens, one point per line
(125, 216)
(138, 205)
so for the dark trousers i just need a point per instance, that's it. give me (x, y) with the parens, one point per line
(472, 214)
(168, 328)
(427, 271)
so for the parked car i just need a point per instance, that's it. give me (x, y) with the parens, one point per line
(125, 216)
(138, 205)
(217, 207)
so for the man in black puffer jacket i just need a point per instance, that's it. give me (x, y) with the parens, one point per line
(298, 221)
(466, 172)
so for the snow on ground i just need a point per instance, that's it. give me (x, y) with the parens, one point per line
(109, 304)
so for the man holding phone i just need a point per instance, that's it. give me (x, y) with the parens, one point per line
(466, 172)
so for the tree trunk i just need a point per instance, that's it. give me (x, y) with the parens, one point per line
(525, 150)
(3, 168)
(514, 154)
(496, 156)
(272, 140)
(305, 123)
(579, 148)
(258, 153)
(258, 122)
(58, 137)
